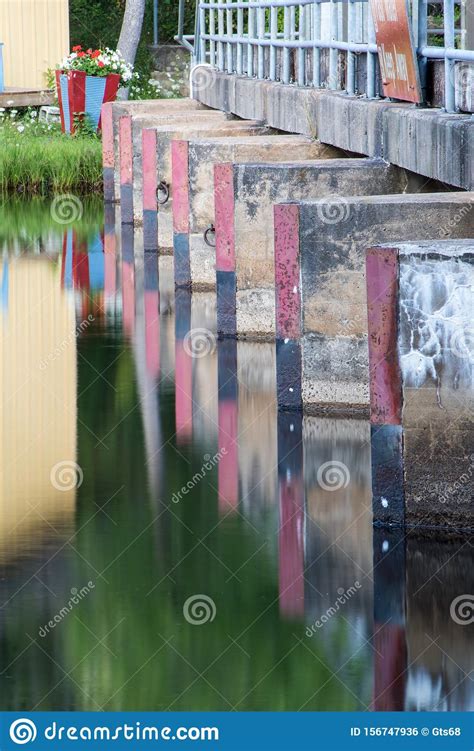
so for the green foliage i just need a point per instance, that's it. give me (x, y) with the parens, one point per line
(36, 158)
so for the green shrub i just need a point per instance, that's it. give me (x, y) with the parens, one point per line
(37, 159)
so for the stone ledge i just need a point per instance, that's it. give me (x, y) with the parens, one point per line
(425, 141)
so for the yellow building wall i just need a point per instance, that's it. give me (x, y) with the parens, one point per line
(35, 34)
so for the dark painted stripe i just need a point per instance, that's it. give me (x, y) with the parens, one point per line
(150, 229)
(108, 175)
(288, 370)
(226, 299)
(182, 268)
(387, 474)
(126, 203)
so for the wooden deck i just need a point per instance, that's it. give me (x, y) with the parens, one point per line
(14, 97)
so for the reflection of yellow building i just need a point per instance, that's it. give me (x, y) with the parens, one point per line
(38, 408)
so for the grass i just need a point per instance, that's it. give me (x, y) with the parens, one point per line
(37, 159)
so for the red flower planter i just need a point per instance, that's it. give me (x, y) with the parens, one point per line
(79, 93)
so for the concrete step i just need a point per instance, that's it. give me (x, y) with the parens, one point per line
(193, 162)
(321, 300)
(421, 355)
(110, 114)
(244, 245)
(156, 167)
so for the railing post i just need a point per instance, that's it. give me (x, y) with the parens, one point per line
(351, 31)
(240, 33)
(273, 36)
(333, 53)
(155, 23)
(370, 56)
(229, 24)
(286, 50)
(449, 65)
(422, 19)
(316, 50)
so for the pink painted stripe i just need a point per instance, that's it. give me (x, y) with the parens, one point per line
(126, 150)
(224, 216)
(382, 301)
(107, 135)
(149, 166)
(180, 183)
(287, 271)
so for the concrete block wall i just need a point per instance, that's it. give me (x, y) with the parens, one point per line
(246, 193)
(110, 115)
(321, 302)
(421, 354)
(193, 164)
(156, 161)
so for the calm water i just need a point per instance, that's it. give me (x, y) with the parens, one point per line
(165, 541)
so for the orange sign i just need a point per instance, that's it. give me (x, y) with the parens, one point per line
(398, 65)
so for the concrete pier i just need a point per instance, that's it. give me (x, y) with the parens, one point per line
(156, 160)
(421, 350)
(321, 313)
(244, 199)
(110, 115)
(193, 163)
(131, 142)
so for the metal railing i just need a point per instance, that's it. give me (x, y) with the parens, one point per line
(320, 43)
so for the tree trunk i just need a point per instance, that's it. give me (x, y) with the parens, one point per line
(131, 32)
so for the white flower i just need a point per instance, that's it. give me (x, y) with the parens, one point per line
(20, 128)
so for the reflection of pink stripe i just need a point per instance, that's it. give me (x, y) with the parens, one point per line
(224, 216)
(149, 169)
(183, 393)
(228, 468)
(126, 150)
(152, 332)
(390, 663)
(128, 297)
(385, 378)
(109, 274)
(179, 181)
(291, 557)
(287, 271)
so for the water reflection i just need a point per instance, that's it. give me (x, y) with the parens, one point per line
(314, 609)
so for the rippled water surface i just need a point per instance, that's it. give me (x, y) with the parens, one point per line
(168, 542)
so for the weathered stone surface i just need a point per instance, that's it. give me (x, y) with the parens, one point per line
(429, 309)
(203, 154)
(258, 187)
(328, 251)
